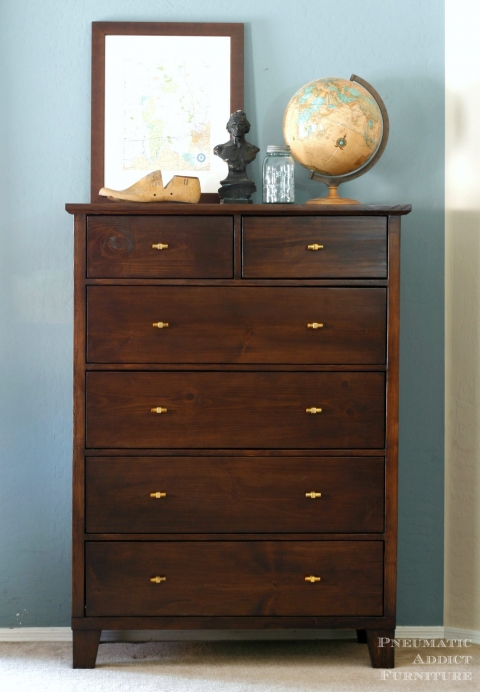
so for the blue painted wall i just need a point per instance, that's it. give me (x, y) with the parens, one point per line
(44, 150)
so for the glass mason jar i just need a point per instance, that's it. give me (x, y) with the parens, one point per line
(278, 175)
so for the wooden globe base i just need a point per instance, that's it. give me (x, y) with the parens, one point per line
(332, 198)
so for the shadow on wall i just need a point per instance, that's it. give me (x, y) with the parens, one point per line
(462, 527)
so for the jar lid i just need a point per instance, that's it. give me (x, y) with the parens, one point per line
(278, 147)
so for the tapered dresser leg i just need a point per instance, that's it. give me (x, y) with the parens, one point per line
(85, 648)
(361, 636)
(380, 648)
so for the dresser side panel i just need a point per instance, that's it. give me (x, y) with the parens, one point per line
(391, 470)
(78, 509)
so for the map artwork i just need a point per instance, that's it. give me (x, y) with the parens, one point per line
(167, 114)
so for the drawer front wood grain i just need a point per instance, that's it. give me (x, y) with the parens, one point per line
(236, 325)
(239, 495)
(351, 247)
(234, 578)
(195, 247)
(235, 410)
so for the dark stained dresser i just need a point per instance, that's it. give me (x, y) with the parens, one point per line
(235, 419)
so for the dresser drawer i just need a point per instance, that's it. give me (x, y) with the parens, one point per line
(236, 325)
(252, 495)
(346, 247)
(194, 247)
(243, 578)
(235, 410)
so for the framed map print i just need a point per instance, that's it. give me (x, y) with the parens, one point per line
(162, 94)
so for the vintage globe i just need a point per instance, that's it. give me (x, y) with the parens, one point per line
(338, 129)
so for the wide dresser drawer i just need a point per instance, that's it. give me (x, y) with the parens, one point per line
(243, 578)
(300, 410)
(168, 247)
(170, 324)
(251, 495)
(314, 247)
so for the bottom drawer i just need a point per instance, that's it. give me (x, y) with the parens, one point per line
(243, 578)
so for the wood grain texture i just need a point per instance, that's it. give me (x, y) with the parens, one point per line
(237, 252)
(97, 120)
(238, 495)
(231, 622)
(382, 654)
(236, 325)
(177, 537)
(232, 578)
(236, 446)
(392, 416)
(241, 283)
(85, 647)
(78, 460)
(357, 210)
(277, 247)
(105, 451)
(236, 410)
(197, 247)
(234, 367)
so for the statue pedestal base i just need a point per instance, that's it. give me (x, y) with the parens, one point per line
(236, 192)
(237, 200)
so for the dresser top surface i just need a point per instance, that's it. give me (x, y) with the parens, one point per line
(153, 208)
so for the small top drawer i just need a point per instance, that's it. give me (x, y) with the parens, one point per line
(168, 247)
(313, 247)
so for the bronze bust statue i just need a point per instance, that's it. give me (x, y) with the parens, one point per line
(237, 154)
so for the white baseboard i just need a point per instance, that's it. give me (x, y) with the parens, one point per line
(35, 634)
(455, 633)
(64, 634)
(406, 632)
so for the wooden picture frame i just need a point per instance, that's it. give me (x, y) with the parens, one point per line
(111, 39)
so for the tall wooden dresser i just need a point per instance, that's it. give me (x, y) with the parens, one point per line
(235, 419)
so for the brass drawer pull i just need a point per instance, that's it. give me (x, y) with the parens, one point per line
(313, 410)
(158, 580)
(158, 495)
(313, 495)
(314, 325)
(159, 409)
(312, 579)
(160, 325)
(160, 246)
(315, 246)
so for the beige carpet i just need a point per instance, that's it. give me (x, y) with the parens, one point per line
(303, 666)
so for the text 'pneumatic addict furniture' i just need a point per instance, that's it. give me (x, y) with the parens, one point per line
(235, 419)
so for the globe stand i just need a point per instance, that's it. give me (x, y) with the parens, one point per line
(332, 197)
